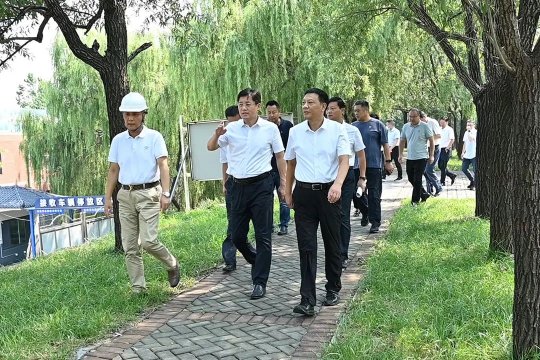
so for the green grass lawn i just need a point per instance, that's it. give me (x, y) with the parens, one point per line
(454, 164)
(431, 291)
(51, 306)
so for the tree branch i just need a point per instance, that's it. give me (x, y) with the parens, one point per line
(493, 38)
(425, 22)
(11, 55)
(139, 50)
(69, 30)
(528, 14)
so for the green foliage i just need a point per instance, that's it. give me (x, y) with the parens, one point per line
(431, 291)
(54, 304)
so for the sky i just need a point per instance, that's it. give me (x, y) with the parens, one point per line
(39, 63)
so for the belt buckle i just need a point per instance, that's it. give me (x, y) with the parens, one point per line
(316, 186)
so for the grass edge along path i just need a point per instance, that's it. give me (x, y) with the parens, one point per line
(431, 291)
(53, 305)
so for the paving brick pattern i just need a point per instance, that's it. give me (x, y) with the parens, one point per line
(216, 320)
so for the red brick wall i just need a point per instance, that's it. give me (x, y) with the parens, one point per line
(12, 161)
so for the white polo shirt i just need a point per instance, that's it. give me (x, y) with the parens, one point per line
(469, 142)
(355, 140)
(435, 128)
(137, 157)
(393, 137)
(447, 135)
(250, 149)
(317, 152)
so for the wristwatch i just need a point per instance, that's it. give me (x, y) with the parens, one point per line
(388, 161)
(166, 194)
(362, 177)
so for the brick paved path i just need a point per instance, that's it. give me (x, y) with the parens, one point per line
(216, 320)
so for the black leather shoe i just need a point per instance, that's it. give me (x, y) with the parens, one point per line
(332, 298)
(174, 276)
(364, 221)
(374, 228)
(258, 291)
(228, 268)
(344, 263)
(453, 178)
(424, 197)
(398, 178)
(304, 308)
(283, 230)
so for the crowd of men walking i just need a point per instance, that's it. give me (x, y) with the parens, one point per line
(317, 167)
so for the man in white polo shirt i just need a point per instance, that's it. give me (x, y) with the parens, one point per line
(138, 160)
(447, 141)
(433, 185)
(468, 154)
(318, 161)
(251, 143)
(336, 112)
(393, 143)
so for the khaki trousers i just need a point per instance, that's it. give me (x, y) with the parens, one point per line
(139, 219)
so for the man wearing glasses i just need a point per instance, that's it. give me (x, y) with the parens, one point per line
(251, 143)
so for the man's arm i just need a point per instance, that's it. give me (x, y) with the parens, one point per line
(163, 165)
(213, 142)
(431, 150)
(291, 168)
(112, 180)
(282, 168)
(402, 142)
(334, 194)
(362, 168)
(224, 175)
(388, 166)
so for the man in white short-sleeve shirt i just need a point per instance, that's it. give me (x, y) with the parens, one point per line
(317, 161)
(447, 141)
(138, 161)
(433, 184)
(336, 112)
(468, 154)
(251, 143)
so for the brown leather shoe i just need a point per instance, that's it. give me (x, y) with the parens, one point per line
(174, 276)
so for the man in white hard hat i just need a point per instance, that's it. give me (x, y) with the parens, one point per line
(138, 161)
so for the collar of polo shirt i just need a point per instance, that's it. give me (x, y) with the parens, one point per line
(142, 134)
(323, 126)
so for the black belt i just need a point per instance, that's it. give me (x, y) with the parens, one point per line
(141, 186)
(351, 168)
(314, 186)
(251, 180)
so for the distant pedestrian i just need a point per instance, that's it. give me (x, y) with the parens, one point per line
(273, 114)
(138, 160)
(393, 143)
(336, 111)
(375, 136)
(415, 134)
(318, 162)
(447, 141)
(468, 154)
(251, 143)
(433, 184)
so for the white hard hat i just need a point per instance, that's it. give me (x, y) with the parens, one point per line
(133, 102)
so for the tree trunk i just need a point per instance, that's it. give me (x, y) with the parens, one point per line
(116, 86)
(492, 180)
(525, 127)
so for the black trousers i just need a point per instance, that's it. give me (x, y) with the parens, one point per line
(311, 208)
(370, 203)
(395, 157)
(347, 192)
(444, 157)
(415, 171)
(254, 202)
